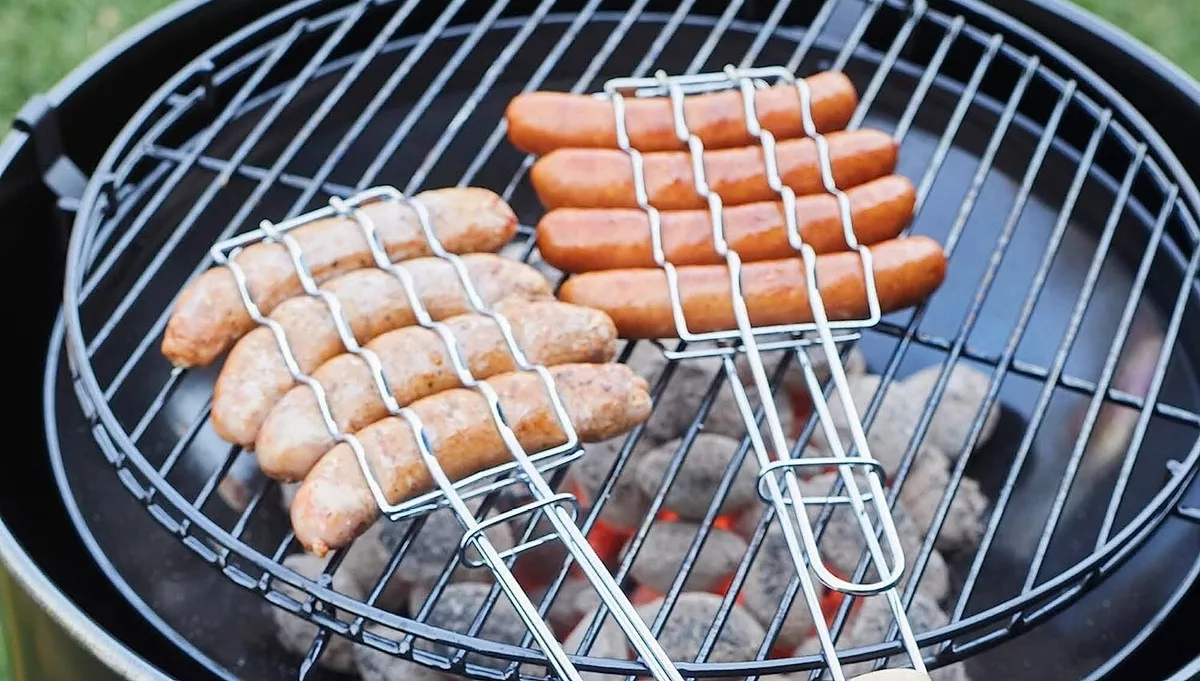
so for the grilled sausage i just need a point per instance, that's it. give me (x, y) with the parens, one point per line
(417, 364)
(540, 122)
(906, 271)
(587, 239)
(255, 375)
(209, 315)
(603, 178)
(334, 504)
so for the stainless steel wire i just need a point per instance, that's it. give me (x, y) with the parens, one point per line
(546, 500)
(777, 462)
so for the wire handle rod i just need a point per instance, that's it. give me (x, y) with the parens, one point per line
(803, 549)
(546, 500)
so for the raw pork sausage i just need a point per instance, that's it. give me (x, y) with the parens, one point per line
(417, 364)
(540, 122)
(907, 270)
(255, 375)
(334, 504)
(209, 315)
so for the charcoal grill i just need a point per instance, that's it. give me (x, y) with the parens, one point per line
(291, 111)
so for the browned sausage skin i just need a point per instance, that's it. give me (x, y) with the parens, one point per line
(587, 239)
(603, 178)
(209, 315)
(417, 364)
(255, 376)
(334, 505)
(540, 122)
(907, 270)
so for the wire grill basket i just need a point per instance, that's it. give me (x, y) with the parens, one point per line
(175, 183)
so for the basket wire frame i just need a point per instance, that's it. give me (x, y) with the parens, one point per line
(97, 246)
(548, 504)
(804, 550)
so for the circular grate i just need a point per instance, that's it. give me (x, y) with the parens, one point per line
(1072, 260)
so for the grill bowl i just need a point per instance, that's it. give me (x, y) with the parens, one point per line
(158, 141)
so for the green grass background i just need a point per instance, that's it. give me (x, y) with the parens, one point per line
(42, 40)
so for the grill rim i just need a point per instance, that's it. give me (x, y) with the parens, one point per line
(1165, 497)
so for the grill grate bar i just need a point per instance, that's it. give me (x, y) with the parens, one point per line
(210, 192)
(250, 171)
(205, 139)
(1160, 370)
(435, 88)
(535, 81)
(998, 376)
(1110, 361)
(371, 110)
(954, 349)
(464, 112)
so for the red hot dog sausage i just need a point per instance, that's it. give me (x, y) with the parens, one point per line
(907, 270)
(603, 178)
(587, 239)
(540, 122)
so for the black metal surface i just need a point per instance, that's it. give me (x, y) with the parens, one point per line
(939, 328)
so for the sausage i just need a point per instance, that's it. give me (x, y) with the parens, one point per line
(906, 271)
(334, 505)
(586, 239)
(540, 122)
(417, 364)
(209, 315)
(255, 376)
(603, 178)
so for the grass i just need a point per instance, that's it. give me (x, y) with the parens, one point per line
(42, 40)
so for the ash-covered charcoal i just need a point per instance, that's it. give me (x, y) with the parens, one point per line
(704, 465)
(679, 403)
(366, 561)
(767, 582)
(960, 403)
(626, 504)
(661, 557)
(688, 623)
(869, 625)
(435, 543)
(575, 598)
(287, 492)
(610, 642)
(376, 665)
(457, 607)
(295, 634)
(725, 417)
(891, 430)
(793, 376)
(842, 543)
(922, 493)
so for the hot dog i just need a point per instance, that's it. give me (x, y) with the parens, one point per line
(587, 239)
(417, 364)
(603, 178)
(540, 122)
(209, 315)
(334, 505)
(906, 271)
(255, 376)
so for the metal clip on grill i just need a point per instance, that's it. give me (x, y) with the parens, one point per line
(777, 463)
(450, 493)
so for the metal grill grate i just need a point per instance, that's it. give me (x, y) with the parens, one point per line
(321, 102)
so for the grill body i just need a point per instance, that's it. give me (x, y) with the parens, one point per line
(159, 571)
